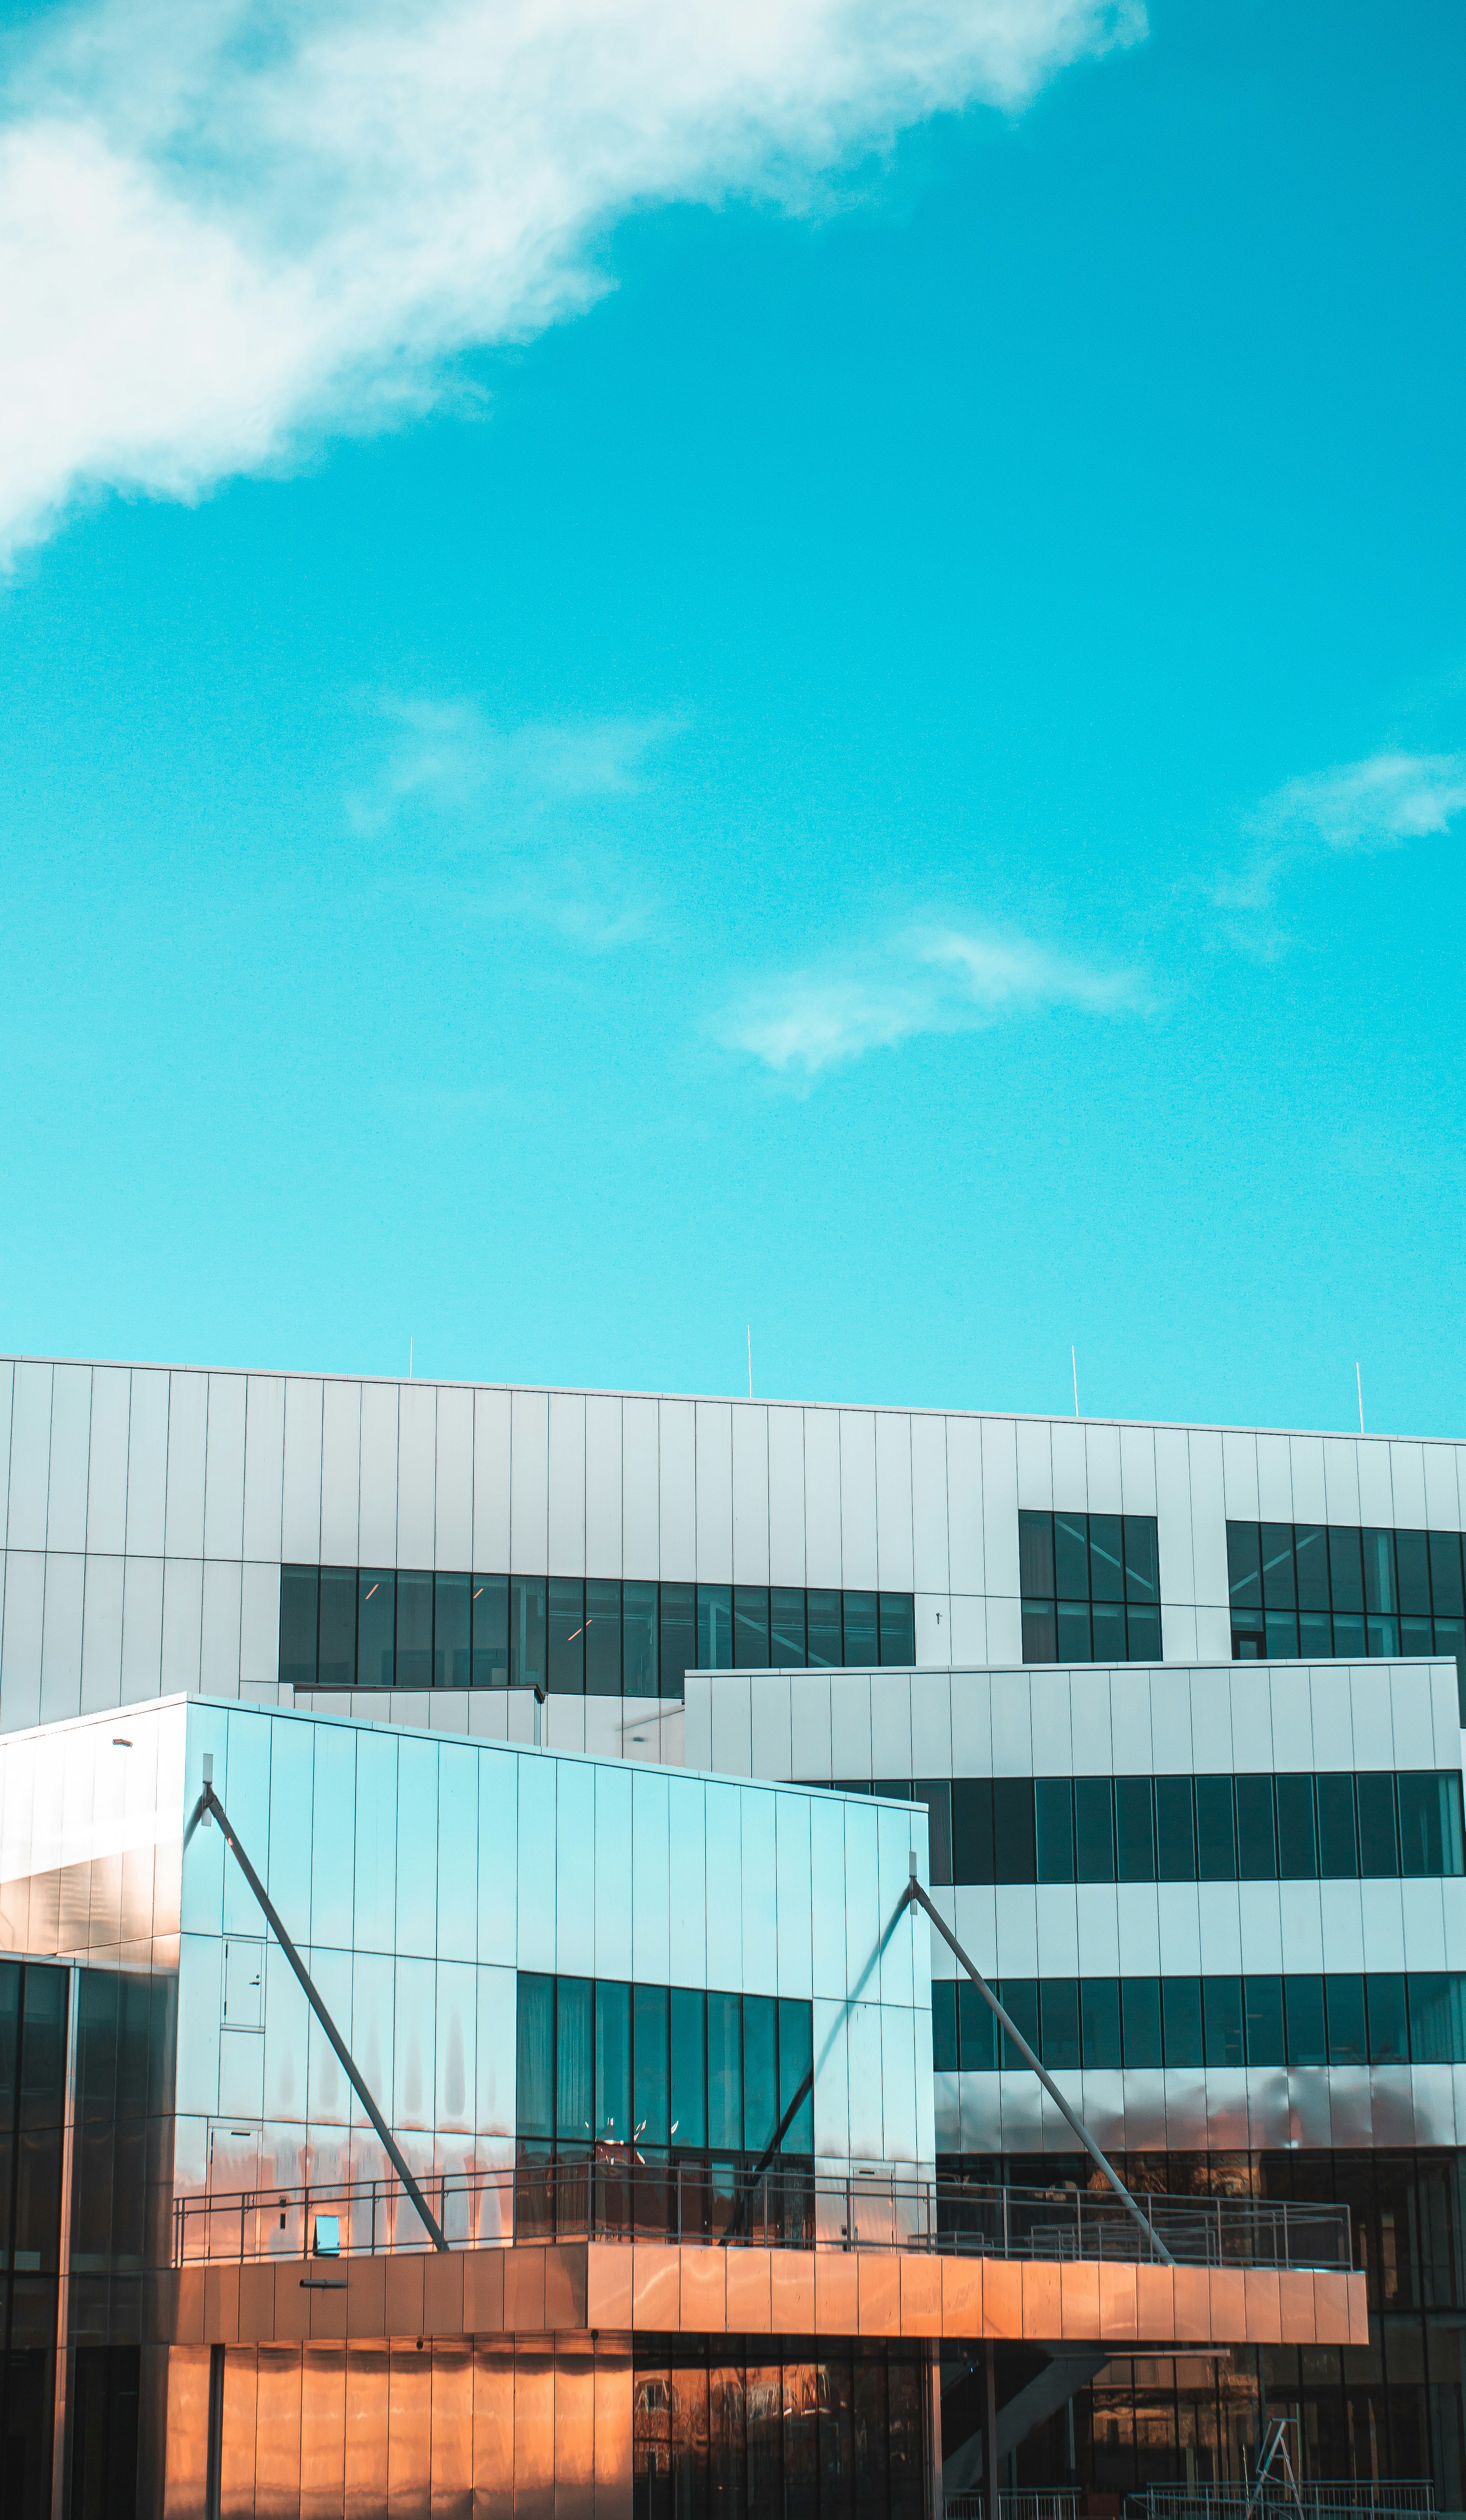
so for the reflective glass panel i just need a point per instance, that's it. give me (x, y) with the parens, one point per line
(1140, 2017)
(977, 2030)
(826, 1648)
(725, 2072)
(1257, 1831)
(1107, 1630)
(1434, 2007)
(1380, 1592)
(1382, 1634)
(796, 2054)
(1071, 1556)
(1215, 1829)
(1430, 1824)
(1036, 1553)
(1099, 2010)
(936, 1793)
(1073, 1624)
(567, 1636)
(1344, 2000)
(1445, 1574)
(1019, 1998)
(786, 1639)
(1266, 2043)
(751, 1627)
(1106, 1567)
(1180, 2018)
(1142, 1575)
(1338, 1845)
(689, 2068)
(452, 1596)
(1345, 1568)
(1040, 1637)
(1279, 1590)
(1281, 1635)
(535, 2101)
(1244, 1565)
(1059, 2020)
(1379, 1850)
(650, 2106)
(337, 1626)
(1385, 2007)
(944, 2025)
(1175, 1829)
(1134, 1829)
(612, 2061)
(375, 1625)
(1053, 1814)
(413, 1629)
(972, 1830)
(299, 1592)
(898, 1628)
(604, 1636)
(574, 2077)
(1307, 2043)
(638, 1628)
(861, 1631)
(1412, 1565)
(1013, 1828)
(1349, 1635)
(527, 1630)
(491, 1631)
(1297, 1837)
(1221, 2007)
(715, 1627)
(1311, 1549)
(760, 2072)
(679, 1637)
(1093, 1828)
(1143, 1631)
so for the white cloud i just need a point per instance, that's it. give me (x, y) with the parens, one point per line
(1359, 807)
(228, 225)
(929, 980)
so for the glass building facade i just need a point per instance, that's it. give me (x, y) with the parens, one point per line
(1320, 1591)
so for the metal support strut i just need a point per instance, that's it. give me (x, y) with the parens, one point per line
(916, 1896)
(208, 1803)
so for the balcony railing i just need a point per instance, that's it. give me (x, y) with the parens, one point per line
(611, 2197)
(1326, 2500)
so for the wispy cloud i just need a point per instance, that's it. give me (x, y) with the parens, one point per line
(923, 980)
(1362, 807)
(226, 226)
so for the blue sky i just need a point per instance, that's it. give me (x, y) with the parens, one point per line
(839, 703)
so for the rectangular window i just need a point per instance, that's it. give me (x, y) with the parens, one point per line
(1344, 2004)
(1445, 1574)
(796, 2062)
(1379, 1846)
(1337, 1842)
(1071, 1556)
(786, 1643)
(944, 2025)
(1180, 2019)
(567, 1636)
(1412, 1561)
(1303, 2001)
(1053, 1816)
(1090, 1588)
(1279, 1582)
(1019, 1999)
(861, 1631)
(337, 1668)
(375, 1625)
(1389, 2029)
(536, 2064)
(1175, 1829)
(1036, 1553)
(1040, 1635)
(725, 2073)
(760, 2072)
(526, 1631)
(1134, 1828)
(972, 1858)
(1310, 1551)
(688, 2008)
(827, 1646)
(603, 1636)
(1221, 2008)
(1215, 1829)
(650, 2099)
(1142, 1571)
(1430, 1824)
(1140, 2017)
(751, 1627)
(1106, 1558)
(1244, 1565)
(1100, 2050)
(1266, 2043)
(414, 1629)
(1435, 2022)
(679, 1637)
(936, 1793)
(1059, 2014)
(638, 1632)
(574, 2051)
(977, 2030)
(491, 1632)
(452, 1603)
(1093, 1828)
(1297, 1830)
(715, 1627)
(299, 1601)
(1013, 1828)
(1257, 1831)
(898, 1628)
(612, 2061)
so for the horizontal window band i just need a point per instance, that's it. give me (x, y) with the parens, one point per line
(1135, 2024)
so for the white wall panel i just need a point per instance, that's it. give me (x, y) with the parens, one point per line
(1169, 1725)
(1137, 1469)
(930, 1696)
(453, 1481)
(714, 1491)
(7, 1400)
(602, 1484)
(687, 1840)
(264, 1464)
(1069, 1463)
(492, 1484)
(106, 1467)
(1089, 1723)
(300, 1485)
(341, 1475)
(890, 1729)
(1035, 1448)
(188, 1443)
(1406, 1483)
(1341, 1479)
(640, 1492)
(71, 1433)
(1251, 1718)
(822, 1496)
(1174, 1533)
(652, 1882)
(895, 1541)
(224, 1468)
(985, 1631)
(29, 1459)
(1442, 1508)
(1048, 1717)
(102, 1634)
(377, 1526)
(1376, 1494)
(1208, 1521)
(1103, 1485)
(259, 1626)
(750, 1493)
(930, 1557)
(141, 1628)
(1239, 1470)
(219, 1641)
(858, 1553)
(183, 1624)
(934, 1628)
(1310, 1488)
(21, 1638)
(1212, 1742)
(61, 1640)
(1274, 1479)
(146, 1463)
(1000, 1451)
(786, 1561)
(771, 1748)
(566, 1482)
(809, 1726)
(417, 1474)
(677, 1474)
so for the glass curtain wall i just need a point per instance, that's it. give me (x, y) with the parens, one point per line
(1315, 1592)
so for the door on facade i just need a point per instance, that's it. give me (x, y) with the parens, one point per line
(233, 2180)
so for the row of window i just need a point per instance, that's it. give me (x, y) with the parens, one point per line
(1092, 1587)
(1106, 2023)
(658, 2067)
(373, 1627)
(1316, 1591)
(1373, 1825)
(772, 2424)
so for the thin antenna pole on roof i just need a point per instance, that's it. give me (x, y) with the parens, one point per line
(1073, 1370)
(1360, 1388)
(750, 1359)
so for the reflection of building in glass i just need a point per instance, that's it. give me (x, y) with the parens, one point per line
(735, 2168)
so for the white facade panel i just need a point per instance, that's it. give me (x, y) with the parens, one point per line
(895, 1544)
(1137, 1469)
(750, 1493)
(1376, 1494)
(259, 1627)
(224, 1468)
(219, 1651)
(1207, 1569)
(143, 1630)
(491, 1482)
(183, 1625)
(930, 1557)
(1341, 1479)
(566, 1541)
(1173, 1508)
(1274, 1479)
(1103, 1484)
(714, 1491)
(1068, 1454)
(264, 1465)
(70, 1434)
(787, 1558)
(1309, 1490)
(300, 1493)
(676, 1470)
(529, 1483)
(453, 1482)
(1407, 1486)
(857, 1546)
(999, 1500)
(106, 1467)
(7, 1401)
(377, 1509)
(417, 1474)
(61, 1639)
(1442, 1503)
(29, 1456)
(1239, 1472)
(978, 1560)
(821, 1497)
(1034, 1453)
(603, 1441)
(640, 1492)
(102, 1634)
(188, 1449)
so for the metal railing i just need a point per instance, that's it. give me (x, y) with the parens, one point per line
(1223, 2500)
(1017, 2504)
(615, 2197)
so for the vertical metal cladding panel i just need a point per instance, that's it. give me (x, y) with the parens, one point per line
(723, 1894)
(333, 1835)
(291, 1788)
(574, 1868)
(902, 1929)
(455, 2065)
(534, 2434)
(1209, 1575)
(497, 1995)
(414, 2043)
(219, 1644)
(1012, 1732)
(677, 1472)
(494, 2431)
(7, 1408)
(1407, 1484)
(492, 1480)
(898, 2083)
(971, 1724)
(286, 2058)
(1104, 1483)
(1372, 1717)
(863, 1918)
(714, 1422)
(1376, 1491)
(567, 1483)
(895, 1541)
(452, 2485)
(102, 1634)
(602, 1484)
(142, 1628)
(787, 1553)
(686, 1817)
(1306, 1481)
(536, 1901)
(863, 2049)
(264, 1464)
(374, 1900)
(1137, 1469)
(770, 1732)
(453, 1515)
(417, 1846)
(575, 2431)
(529, 1482)
(341, 1475)
(1333, 1715)
(1170, 1726)
(850, 1726)
(810, 1736)
(1172, 1510)
(1068, 1454)
(826, 1893)
(831, 2080)
(650, 1878)
(612, 1902)
(1212, 1741)
(821, 1497)
(890, 1726)
(188, 1453)
(1090, 1736)
(794, 1891)
(224, 1468)
(1341, 1479)
(497, 1855)
(70, 1429)
(1442, 1503)
(183, 1626)
(760, 1878)
(240, 2428)
(146, 1463)
(1000, 1451)
(29, 1456)
(1239, 1472)
(732, 1703)
(416, 1472)
(323, 2430)
(61, 1638)
(640, 1490)
(259, 1625)
(107, 1460)
(1250, 1719)
(409, 2493)
(1409, 1720)
(300, 1479)
(859, 1556)
(750, 1493)
(367, 2422)
(1035, 1448)
(1275, 1501)
(376, 1529)
(930, 1556)
(458, 1850)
